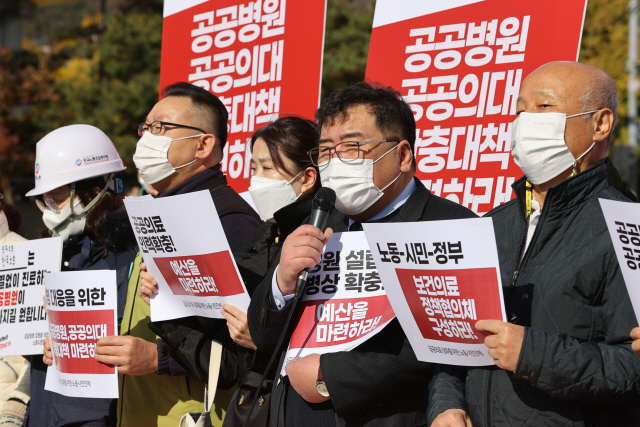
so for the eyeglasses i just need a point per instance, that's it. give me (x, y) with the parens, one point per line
(159, 127)
(347, 151)
(52, 204)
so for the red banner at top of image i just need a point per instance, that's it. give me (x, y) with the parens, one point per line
(74, 336)
(447, 303)
(201, 275)
(261, 58)
(460, 70)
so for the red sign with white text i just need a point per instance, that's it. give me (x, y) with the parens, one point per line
(447, 303)
(74, 336)
(201, 275)
(338, 321)
(262, 58)
(459, 65)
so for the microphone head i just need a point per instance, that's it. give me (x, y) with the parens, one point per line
(325, 199)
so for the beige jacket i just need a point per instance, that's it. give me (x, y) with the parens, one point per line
(14, 370)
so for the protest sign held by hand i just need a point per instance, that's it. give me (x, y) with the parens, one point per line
(441, 277)
(82, 309)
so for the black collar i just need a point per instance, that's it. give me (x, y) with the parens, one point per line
(291, 216)
(569, 193)
(194, 182)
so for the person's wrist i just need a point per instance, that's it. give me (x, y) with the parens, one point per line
(284, 287)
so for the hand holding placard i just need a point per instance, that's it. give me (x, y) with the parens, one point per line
(504, 341)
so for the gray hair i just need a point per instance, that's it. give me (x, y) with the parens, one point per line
(601, 93)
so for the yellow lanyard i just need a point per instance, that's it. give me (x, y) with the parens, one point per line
(528, 198)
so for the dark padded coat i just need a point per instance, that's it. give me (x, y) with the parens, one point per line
(380, 382)
(576, 367)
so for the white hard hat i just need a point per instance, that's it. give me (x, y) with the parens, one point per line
(73, 153)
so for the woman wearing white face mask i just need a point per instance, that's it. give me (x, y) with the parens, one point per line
(80, 201)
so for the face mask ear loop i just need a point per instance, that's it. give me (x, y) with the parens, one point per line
(194, 160)
(293, 179)
(575, 163)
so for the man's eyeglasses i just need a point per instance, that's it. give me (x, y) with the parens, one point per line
(347, 151)
(159, 127)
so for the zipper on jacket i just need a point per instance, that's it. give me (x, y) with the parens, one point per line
(525, 258)
(489, 398)
(186, 377)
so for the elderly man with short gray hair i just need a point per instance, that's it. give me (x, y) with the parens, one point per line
(564, 357)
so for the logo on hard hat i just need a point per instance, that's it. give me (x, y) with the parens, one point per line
(78, 162)
(37, 168)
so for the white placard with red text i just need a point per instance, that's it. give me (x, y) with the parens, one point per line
(185, 249)
(82, 308)
(23, 319)
(459, 64)
(344, 302)
(623, 222)
(441, 277)
(262, 58)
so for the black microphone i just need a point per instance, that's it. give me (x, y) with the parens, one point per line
(322, 206)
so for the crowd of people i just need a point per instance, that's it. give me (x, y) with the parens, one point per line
(565, 357)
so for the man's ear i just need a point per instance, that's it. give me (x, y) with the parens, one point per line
(206, 146)
(406, 156)
(602, 124)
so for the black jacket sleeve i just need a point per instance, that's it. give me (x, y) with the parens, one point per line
(446, 390)
(266, 323)
(589, 372)
(188, 341)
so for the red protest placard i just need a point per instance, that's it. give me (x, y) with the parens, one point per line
(460, 65)
(447, 303)
(73, 336)
(261, 58)
(338, 321)
(201, 275)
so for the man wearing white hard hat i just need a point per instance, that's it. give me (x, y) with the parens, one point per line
(80, 201)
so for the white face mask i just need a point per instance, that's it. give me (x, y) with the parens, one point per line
(353, 184)
(151, 157)
(271, 195)
(54, 221)
(539, 148)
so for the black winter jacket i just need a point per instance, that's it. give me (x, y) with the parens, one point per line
(576, 367)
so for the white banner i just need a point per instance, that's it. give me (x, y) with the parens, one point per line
(623, 222)
(441, 277)
(23, 320)
(186, 251)
(82, 308)
(344, 303)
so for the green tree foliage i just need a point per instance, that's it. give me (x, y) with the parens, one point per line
(346, 43)
(119, 80)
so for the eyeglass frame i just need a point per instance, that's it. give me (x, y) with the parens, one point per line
(162, 125)
(43, 204)
(360, 144)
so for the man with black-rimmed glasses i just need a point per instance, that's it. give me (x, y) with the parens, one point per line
(180, 151)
